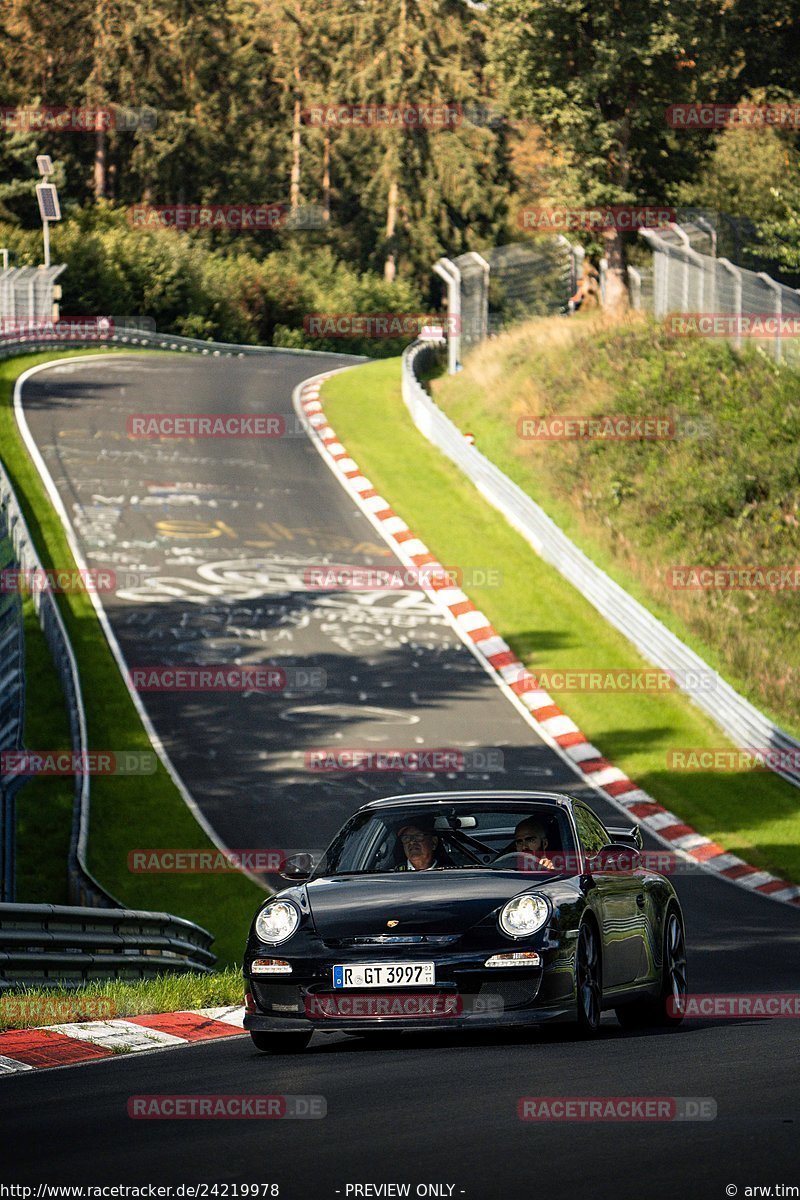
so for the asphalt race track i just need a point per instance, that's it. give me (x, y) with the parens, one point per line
(218, 535)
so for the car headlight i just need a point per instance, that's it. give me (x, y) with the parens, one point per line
(277, 921)
(523, 915)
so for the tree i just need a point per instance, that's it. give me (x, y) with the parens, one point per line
(598, 77)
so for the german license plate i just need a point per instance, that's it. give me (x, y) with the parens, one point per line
(381, 975)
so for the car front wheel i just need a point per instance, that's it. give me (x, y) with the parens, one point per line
(279, 1043)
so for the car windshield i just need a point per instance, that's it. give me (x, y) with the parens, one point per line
(452, 837)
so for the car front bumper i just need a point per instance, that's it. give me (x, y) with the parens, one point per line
(466, 994)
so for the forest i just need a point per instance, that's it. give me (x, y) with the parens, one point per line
(376, 137)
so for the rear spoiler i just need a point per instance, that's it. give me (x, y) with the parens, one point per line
(629, 835)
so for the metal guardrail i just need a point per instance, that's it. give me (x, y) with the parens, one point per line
(83, 887)
(744, 724)
(61, 944)
(144, 339)
(12, 708)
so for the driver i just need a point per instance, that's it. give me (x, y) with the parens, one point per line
(530, 838)
(421, 847)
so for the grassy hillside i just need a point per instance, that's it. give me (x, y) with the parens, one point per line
(724, 490)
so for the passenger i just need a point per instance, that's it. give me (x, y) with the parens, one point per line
(421, 847)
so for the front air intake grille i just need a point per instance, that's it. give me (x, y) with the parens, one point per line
(417, 939)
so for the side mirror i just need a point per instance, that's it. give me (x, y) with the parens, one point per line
(615, 858)
(628, 835)
(297, 867)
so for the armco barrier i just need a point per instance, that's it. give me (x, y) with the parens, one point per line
(44, 944)
(83, 887)
(738, 718)
(12, 707)
(145, 339)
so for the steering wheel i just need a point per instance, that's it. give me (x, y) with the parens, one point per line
(511, 861)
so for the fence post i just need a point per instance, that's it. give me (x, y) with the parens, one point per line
(602, 273)
(736, 275)
(486, 269)
(702, 223)
(660, 272)
(449, 272)
(777, 309)
(635, 287)
(686, 245)
(577, 256)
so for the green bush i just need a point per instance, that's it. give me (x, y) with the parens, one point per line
(190, 289)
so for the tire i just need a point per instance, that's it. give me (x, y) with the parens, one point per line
(280, 1043)
(657, 1011)
(588, 981)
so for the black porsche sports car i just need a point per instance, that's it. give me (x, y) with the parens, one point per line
(465, 909)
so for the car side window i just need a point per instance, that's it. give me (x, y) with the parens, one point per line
(591, 832)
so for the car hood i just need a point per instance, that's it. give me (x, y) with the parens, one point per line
(421, 902)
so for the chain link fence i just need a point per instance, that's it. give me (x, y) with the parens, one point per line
(487, 293)
(28, 293)
(713, 297)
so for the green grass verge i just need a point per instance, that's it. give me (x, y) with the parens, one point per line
(550, 625)
(44, 805)
(127, 812)
(30, 1007)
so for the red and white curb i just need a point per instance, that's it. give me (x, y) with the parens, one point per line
(82, 1041)
(551, 723)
